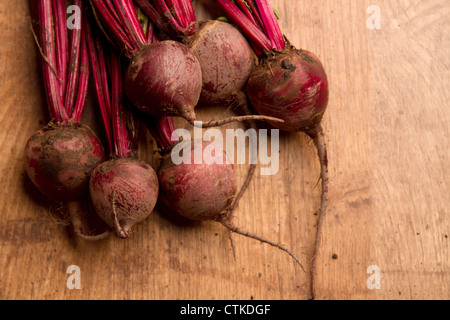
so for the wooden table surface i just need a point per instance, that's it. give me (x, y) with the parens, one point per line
(387, 224)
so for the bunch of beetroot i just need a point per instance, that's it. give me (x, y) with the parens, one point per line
(162, 79)
(154, 59)
(199, 189)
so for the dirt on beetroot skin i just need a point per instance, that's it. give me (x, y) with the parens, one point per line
(59, 160)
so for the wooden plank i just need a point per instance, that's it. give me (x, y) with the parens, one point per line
(387, 130)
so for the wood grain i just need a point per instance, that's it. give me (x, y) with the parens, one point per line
(387, 129)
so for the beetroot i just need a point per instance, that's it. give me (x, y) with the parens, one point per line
(198, 191)
(289, 84)
(60, 159)
(163, 78)
(226, 58)
(124, 192)
(168, 75)
(123, 189)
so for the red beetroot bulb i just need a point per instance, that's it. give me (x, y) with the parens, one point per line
(59, 160)
(202, 191)
(124, 192)
(290, 85)
(226, 59)
(165, 78)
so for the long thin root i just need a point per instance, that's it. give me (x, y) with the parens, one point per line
(230, 226)
(317, 136)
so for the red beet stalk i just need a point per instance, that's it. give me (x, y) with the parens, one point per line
(246, 25)
(52, 80)
(64, 60)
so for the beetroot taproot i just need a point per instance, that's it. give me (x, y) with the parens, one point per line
(197, 180)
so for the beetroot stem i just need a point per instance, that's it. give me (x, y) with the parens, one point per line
(83, 81)
(162, 129)
(103, 11)
(103, 73)
(246, 10)
(184, 11)
(94, 57)
(152, 36)
(180, 16)
(120, 132)
(47, 44)
(254, 10)
(270, 24)
(133, 15)
(167, 129)
(154, 16)
(62, 44)
(248, 28)
(134, 31)
(188, 10)
(112, 9)
(165, 12)
(74, 66)
(109, 90)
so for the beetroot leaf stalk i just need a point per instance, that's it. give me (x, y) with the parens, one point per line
(247, 26)
(108, 83)
(74, 67)
(83, 82)
(97, 63)
(52, 81)
(62, 41)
